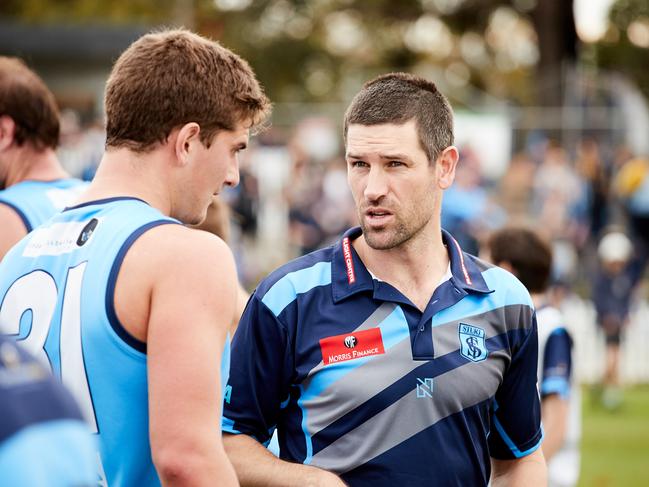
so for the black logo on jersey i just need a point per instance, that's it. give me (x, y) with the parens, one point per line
(350, 341)
(86, 233)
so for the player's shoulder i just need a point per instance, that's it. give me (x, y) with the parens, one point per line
(178, 245)
(313, 266)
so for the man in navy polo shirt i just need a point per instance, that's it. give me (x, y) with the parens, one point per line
(392, 357)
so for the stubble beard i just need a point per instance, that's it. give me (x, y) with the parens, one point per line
(390, 236)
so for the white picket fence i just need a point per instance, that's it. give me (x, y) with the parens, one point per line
(589, 343)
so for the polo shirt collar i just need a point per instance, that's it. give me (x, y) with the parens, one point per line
(350, 276)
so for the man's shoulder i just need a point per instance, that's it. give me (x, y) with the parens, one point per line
(310, 269)
(178, 246)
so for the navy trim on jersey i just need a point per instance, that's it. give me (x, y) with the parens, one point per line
(117, 326)
(103, 201)
(20, 213)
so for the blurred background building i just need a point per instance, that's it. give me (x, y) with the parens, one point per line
(550, 96)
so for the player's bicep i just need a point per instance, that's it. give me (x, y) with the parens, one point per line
(192, 305)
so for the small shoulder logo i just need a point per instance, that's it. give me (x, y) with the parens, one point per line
(472, 343)
(350, 341)
(87, 231)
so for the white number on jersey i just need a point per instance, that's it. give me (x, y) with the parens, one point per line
(37, 292)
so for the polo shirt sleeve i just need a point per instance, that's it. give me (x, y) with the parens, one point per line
(557, 364)
(516, 421)
(259, 370)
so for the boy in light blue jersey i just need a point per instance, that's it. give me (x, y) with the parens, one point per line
(129, 307)
(33, 185)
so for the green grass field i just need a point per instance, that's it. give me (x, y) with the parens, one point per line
(615, 445)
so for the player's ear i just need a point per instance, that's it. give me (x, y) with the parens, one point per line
(445, 166)
(7, 131)
(187, 137)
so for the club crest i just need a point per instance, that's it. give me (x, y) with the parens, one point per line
(472, 343)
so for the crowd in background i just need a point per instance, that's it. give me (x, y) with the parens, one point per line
(573, 197)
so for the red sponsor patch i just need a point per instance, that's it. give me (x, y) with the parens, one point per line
(349, 261)
(350, 346)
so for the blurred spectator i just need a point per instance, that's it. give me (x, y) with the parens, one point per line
(632, 186)
(468, 211)
(515, 187)
(560, 196)
(613, 287)
(81, 146)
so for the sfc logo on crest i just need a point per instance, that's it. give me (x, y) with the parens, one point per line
(472, 345)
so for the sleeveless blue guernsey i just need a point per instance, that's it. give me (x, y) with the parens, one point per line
(65, 273)
(36, 201)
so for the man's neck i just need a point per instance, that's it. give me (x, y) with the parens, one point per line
(415, 268)
(34, 165)
(126, 173)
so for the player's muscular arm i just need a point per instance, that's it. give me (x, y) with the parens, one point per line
(256, 466)
(192, 281)
(12, 229)
(529, 471)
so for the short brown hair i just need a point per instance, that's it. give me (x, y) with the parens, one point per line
(25, 98)
(167, 79)
(400, 97)
(529, 255)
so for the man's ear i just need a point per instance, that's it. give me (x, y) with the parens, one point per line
(445, 166)
(7, 131)
(186, 138)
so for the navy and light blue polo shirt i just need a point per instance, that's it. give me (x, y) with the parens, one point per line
(358, 381)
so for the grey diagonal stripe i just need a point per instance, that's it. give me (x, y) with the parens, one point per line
(359, 386)
(453, 391)
(445, 336)
(372, 321)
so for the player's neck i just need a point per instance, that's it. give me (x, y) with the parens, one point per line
(30, 164)
(123, 172)
(415, 268)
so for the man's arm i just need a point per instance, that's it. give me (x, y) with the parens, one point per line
(555, 390)
(554, 411)
(192, 300)
(256, 466)
(13, 229)
(529, 471)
